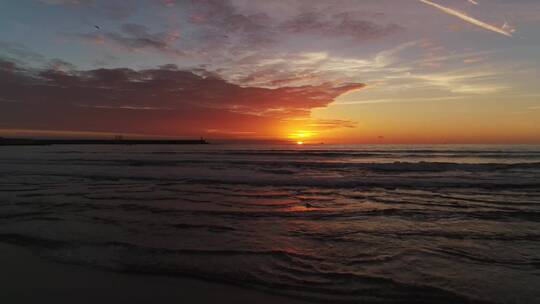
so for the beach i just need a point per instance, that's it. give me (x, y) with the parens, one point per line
(27, 278)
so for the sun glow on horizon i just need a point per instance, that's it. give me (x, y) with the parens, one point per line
(300, 136)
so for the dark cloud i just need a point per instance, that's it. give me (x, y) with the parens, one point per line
(345, 24)
(222, 19)
(328, 124)
(17, 52)
(223, 15)
(60, 65)
(220, 24)
(164, 100)
(222, 30)
(279, 76)
(136, 37)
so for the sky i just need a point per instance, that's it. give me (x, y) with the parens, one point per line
(341, 71)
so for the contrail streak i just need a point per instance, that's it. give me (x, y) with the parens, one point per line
(467, 18)
(473, 2)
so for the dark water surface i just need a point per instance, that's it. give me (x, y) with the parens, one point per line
(384, 224)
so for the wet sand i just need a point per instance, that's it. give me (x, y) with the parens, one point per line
(27, 278)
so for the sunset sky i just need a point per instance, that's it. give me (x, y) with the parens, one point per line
(341, 71)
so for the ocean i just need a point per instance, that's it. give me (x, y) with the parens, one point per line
(342, 224)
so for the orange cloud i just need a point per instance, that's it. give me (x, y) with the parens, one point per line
(164, 101)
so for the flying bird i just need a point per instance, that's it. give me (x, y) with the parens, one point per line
(468, 18)
(97, 27)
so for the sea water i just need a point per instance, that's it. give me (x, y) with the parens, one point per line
(351, 223)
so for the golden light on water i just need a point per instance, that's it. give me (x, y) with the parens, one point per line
(299, 143)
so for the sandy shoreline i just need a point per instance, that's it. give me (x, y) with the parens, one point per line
(27, 278)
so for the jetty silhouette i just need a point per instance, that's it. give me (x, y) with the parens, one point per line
(118, 140)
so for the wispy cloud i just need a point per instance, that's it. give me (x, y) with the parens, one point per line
(469, 19)
(393, 100)
(313, 68)
(464, 81)
(134, 37)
